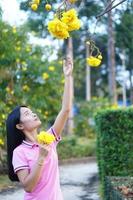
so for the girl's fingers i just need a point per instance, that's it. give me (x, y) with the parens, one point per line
(47, 146)
(44, 145)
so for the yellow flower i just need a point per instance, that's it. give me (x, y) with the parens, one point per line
(45, 116)
(58, 29)
(1, 142)
(17, 60)
(63, 81)
(46, 112)
(28, 49)
(14, 29)
(26, 88)
(93, 61)
(10, 102)
(23, 63)
(45, 76)
(18, 48)
(24, 68)
(18, 42)
(100, 57)
(48, 7)
(3, 56)
(72, 1)
(3, 116)
(115, 106)
(71, 20)
(45, 138)
(34, 6)
(9, 90)
(36, 1)
(51, 68)
(39, 110)
(60, 62)
(12, 92)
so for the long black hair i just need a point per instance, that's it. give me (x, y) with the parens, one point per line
(14, 139)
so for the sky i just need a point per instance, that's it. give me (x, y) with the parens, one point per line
(15, 17)
(11, 12)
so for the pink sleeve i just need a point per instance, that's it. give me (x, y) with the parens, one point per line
(57, 138)
(19, 161)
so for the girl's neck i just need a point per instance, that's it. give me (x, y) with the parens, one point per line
(31, 137)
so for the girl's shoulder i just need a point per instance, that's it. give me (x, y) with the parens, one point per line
(19, 148)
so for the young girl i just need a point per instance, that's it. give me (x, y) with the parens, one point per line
(35, 165)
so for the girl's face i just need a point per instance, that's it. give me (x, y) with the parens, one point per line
(28, 119)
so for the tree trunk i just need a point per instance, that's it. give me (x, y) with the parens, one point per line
(111, 60)
(88, 77)
(70, 123)
(131, 86)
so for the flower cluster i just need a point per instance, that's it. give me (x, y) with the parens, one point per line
(51, 68)
(58, 29)
(115, 106)
(94, 61)
(45, 75)
(26, 88)
(68, 22)
(71, 20)
(45, 138)
(9, 90)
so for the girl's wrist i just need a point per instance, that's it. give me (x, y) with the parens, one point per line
(40, 161)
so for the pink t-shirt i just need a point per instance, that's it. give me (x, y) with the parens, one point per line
(48, 186)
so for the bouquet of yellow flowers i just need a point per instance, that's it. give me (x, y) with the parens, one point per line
(45, 138)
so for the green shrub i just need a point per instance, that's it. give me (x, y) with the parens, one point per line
(76, 147)
(84, 120)
(114, 143)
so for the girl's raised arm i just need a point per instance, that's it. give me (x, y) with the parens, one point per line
(67, 97)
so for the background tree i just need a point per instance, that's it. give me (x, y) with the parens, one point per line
(124, 41)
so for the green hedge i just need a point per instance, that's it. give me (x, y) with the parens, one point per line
(114, 187)
(114, 143)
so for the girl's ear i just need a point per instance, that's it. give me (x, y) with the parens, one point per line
(19, 126)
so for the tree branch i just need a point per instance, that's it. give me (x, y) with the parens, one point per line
(62, 3)
(109, 5)
(107, 10)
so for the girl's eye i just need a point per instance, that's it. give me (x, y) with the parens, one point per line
(27, 113)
